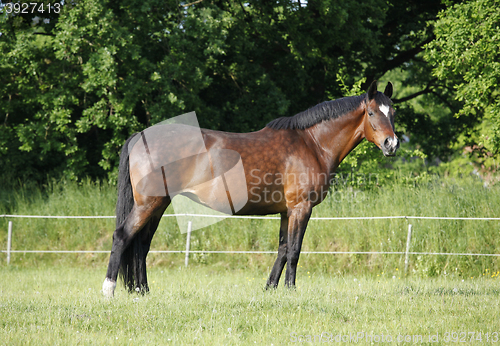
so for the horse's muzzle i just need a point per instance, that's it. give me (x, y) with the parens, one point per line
(390, 146)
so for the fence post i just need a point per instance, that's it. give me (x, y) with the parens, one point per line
(9, 242)
(407, 256)
(188, 243)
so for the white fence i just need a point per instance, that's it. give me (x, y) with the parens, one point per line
(407, 251)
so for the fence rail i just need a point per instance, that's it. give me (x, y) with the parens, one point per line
(264, 217)
(407, 251)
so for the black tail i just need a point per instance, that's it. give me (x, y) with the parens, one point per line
(132, 263)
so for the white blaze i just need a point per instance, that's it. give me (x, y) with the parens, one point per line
(384, 109)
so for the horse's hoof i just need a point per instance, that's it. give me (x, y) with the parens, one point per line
(270, 287)
(108, 288)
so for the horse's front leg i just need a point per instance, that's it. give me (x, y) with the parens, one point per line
(297, 223)
(275, 275)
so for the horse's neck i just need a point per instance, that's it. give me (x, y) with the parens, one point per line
(334, 139)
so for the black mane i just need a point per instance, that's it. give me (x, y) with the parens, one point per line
(323, 111)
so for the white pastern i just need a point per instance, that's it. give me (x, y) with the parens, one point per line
(108, 288)
(384, 109)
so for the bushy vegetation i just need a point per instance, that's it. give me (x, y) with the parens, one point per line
(76, 83)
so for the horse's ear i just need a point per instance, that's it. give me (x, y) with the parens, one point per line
(388, 90)
(372, 91)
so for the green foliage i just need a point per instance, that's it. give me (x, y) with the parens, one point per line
(465, 55)
(75, 85)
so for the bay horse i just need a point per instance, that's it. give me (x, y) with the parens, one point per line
(288, 167)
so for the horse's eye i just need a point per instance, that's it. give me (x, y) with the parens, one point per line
(370, 114)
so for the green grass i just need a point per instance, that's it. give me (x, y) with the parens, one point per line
(432, 197)
(58, 305)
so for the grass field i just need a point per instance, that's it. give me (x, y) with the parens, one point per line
(59, 305)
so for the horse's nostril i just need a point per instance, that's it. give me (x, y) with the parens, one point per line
(387, 142)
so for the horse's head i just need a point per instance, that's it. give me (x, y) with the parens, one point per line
(379, 119)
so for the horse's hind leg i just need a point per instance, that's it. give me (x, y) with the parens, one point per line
(125, 233)
(144, 241)
(279, 264)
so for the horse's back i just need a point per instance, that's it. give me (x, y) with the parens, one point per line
(266, 147)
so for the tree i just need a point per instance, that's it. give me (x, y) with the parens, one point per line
(466, 57)
(75, 84)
